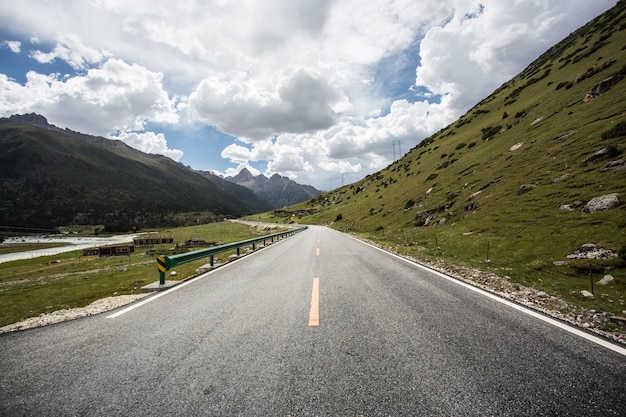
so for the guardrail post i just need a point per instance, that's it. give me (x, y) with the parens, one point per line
(237, 250)
(162, 268)
(211, 260)
(253, 247)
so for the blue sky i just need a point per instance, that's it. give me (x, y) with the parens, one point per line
(317, 91)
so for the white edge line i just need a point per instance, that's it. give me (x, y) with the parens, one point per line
(183, 284)
(560, 324)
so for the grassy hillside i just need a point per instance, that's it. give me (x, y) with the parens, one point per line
(486, 191)
(50, 178)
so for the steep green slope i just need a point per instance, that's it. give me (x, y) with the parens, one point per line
(50, 178)
(486, 191)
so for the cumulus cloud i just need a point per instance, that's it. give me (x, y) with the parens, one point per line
(14, 46)
(301, 102)
(115, 97)
(72, 50)
(486, 43)
(149, 142)
(313, 90)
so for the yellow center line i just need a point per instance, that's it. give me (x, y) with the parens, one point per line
(314, 315)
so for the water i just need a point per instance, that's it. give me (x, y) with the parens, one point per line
(75, 243)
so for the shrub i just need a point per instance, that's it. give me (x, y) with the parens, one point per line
(460, 146)
(616, 131)
(490, 131)
(339, 217)
(561, 85)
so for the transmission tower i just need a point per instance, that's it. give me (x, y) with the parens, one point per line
(396, 143)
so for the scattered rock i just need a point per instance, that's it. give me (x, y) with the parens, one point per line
(516, 146)
(606, 280)
(173, 273)
(565, 136)
(560, 263)
(524, 188)
(620, 163)
(604, 202)
(476, 194)
(572, 206)
(601, 155)
(561, 178)
(592, 251)
(586, 294)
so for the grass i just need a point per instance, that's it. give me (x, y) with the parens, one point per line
(41, 285)
(456, 196)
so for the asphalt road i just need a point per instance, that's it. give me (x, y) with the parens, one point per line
(390, 339)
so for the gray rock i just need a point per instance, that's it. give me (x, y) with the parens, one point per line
(524, 188)
(603, 202)
(586, 294)
(572, 206)
(601, 155)
(606, 280)
(591, 251)
(620, 163)
(561, 178)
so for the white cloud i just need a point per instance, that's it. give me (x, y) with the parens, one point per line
(149, 142)
(14, 46)
(300, 102)
(115, 97)
(304, 86)
(72, 50)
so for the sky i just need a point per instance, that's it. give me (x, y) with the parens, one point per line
(324, 92)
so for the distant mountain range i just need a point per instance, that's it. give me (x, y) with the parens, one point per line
(277, 190)
(51, 177)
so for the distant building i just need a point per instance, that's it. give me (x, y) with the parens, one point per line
(152, 241)
(118, 250)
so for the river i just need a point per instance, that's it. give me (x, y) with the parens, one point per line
(75, 243)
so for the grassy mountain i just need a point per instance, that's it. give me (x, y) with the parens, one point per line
(51, 177)
(487, 191)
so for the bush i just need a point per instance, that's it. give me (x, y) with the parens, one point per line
(490, 131)
(615, 132)
(432, 176)
(339, 217)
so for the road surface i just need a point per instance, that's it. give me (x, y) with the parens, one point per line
(316, 325)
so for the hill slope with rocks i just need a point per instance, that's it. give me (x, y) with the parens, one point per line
(519, 187)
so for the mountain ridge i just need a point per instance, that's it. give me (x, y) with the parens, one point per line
(52, 177)
(277, 190)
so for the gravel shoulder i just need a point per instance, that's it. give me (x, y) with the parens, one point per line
(97, 307)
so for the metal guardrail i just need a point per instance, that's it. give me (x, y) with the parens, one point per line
(165, 263)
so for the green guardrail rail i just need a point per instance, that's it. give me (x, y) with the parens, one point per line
(165, 263)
